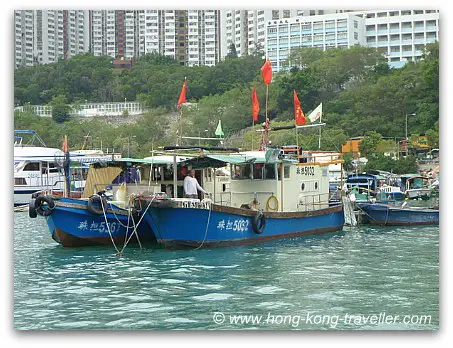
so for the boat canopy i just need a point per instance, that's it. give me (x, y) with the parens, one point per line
(154, 159)
(218, 160)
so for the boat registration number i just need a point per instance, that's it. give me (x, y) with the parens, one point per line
(306, 170)
(192, 204)
(101, 227)
(241, 225)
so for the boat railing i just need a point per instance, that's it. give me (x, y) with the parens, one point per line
(313, 202)
(321, 159)
(226, 197)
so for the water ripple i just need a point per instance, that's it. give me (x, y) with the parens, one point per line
(365, 270)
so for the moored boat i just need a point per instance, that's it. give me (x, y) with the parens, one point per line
(394, 215)
(99, 216)
(269, 197)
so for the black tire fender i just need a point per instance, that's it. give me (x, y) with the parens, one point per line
(94, 209)
(259, 222)
(44, 205)
(32, 209)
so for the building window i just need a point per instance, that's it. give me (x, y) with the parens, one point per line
(356, 36)
(356, 24)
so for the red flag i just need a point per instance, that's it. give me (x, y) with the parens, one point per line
(255, 105)
(182, 95)
(65, 147)
(266, 72)
(300, 117)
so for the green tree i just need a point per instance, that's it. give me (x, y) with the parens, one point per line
(368, 145)
(232, 53)
(60, 109)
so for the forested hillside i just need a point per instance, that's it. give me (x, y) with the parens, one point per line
(359, 92)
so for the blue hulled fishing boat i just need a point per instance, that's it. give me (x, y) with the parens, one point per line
(105, 213)
(268, 196)
(78, 222)
(393, 215)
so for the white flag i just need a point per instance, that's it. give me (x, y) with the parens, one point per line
(316, 113)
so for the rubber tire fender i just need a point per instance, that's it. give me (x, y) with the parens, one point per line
(258, 222)
(39, 205)
(95, 210)
(32, 209)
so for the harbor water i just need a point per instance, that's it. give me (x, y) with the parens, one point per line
(363, 278)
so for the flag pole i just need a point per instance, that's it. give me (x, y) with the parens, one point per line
(297, 141)
(253, 132)
(180, 126)
(319, 140)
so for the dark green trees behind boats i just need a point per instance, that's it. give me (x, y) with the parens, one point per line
(359, 92)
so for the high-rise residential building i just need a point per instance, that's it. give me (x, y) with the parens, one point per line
(43, 37)
(192, 37)
(321, 31)
(246, 29)
(400, 34)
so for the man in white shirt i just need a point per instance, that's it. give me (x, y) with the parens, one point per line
(191, 186)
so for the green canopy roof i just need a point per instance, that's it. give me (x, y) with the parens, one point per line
(221, 160)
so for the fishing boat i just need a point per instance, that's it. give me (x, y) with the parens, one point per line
(105, 213)
(416, 186)
(399, 215)
(270, 196)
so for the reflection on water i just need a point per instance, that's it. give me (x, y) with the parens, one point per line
(289, 284)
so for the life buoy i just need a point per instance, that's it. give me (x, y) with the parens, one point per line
(95, 209)
(44, 205)
(259, 223)
(268, 205)
(32, 209)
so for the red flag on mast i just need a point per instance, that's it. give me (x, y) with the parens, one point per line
(298, 113)
(255, 105)
(65, 147)
(266, 72)
(182, 95)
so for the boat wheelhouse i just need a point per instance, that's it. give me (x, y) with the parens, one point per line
(416, 186)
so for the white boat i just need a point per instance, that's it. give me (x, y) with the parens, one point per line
(40, 168)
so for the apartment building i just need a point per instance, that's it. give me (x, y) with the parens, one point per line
(321, 31)
(246, 29)
(400, 34)
(42, 37)
(190, 36)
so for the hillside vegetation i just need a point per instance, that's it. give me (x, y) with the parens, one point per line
(359, 92)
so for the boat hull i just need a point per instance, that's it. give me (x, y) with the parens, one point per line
(72, 225)
(226, 226)
(382, 214)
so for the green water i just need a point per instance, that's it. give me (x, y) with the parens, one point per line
(365, 278)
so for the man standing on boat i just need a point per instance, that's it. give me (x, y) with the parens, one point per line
(191, 186)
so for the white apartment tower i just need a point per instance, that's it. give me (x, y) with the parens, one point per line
(246, 29)
(401, 35)
(189, 36)
(24, 39)
(43, 37)
(341, 30)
